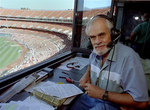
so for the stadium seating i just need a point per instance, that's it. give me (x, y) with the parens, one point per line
(43, 33)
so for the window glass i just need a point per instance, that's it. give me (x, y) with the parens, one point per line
(90, 8)
(33, 31)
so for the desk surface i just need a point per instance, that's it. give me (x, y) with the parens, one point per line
(74, 73)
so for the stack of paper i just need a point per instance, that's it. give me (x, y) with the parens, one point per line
(56, 94)
(48, 94)
(30, 103)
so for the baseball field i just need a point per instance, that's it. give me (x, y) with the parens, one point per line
(9, 51)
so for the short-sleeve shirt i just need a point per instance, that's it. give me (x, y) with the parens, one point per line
(141, 30)
(126, 72)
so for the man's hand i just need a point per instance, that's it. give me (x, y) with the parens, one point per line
(84, 80)
(94, 91)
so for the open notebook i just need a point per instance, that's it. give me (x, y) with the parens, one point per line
(57, 94)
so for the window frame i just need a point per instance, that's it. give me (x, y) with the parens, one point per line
(14, 77)
(77, 27)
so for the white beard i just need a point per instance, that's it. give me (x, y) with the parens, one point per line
(101, 52)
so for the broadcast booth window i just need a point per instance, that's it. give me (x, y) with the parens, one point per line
(33, 36)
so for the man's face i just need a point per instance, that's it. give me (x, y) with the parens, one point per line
(100, 36)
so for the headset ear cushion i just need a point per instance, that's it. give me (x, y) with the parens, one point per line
(115, 33)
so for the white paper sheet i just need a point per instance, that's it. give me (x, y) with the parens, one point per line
(20, 106)
(34, 100)
(30, 103)
(32, 87)
(64, 67)
(60, 90)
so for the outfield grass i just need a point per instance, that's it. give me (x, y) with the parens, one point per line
(8, 52)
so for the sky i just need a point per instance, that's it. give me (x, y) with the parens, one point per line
(97, 3)
(51, 4)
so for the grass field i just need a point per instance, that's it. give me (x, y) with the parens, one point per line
(8, 52)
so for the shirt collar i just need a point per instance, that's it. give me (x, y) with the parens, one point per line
(111, 53)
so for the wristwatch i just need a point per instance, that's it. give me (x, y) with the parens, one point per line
(105, 96)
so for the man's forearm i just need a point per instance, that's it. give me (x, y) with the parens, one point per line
(132, 37)
(125, 99)
(87, 73)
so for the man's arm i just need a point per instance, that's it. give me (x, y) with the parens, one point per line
(85, 78)
(122, 99)
(133, 36)
(125, 100)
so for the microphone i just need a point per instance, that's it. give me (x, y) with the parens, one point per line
(112, 43)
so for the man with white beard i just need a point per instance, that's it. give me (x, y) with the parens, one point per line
(114, 78)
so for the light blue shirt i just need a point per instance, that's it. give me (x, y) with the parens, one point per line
(126, 72)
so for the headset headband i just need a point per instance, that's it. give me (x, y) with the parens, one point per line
(105, 17)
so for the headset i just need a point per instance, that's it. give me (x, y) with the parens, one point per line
(114, 33)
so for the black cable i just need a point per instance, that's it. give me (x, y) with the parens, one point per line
(109, 73)
(110, 68)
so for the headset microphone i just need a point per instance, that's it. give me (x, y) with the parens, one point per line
(112, 43)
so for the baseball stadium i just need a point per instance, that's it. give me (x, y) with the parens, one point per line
(28, 37)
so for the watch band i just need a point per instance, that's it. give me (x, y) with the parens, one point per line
(105, 96)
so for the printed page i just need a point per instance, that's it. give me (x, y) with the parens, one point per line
(19, 106)
(30, 103)
(34, 100)
(60, 90)
(41, 84)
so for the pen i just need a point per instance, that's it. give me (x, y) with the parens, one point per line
(68, 79)
(62, 77)
(65, 72)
